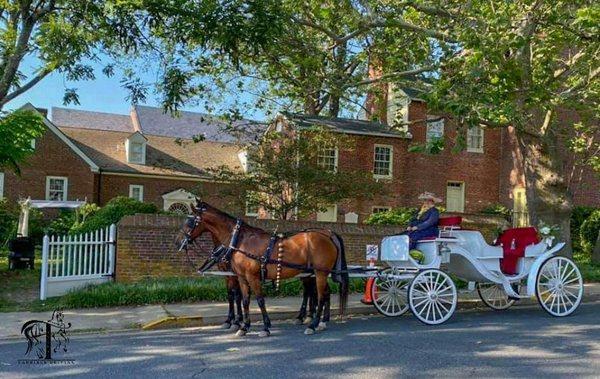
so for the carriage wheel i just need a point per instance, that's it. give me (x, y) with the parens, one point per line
(389, 294)
(432, 296)
(559, 286)
(494, 296)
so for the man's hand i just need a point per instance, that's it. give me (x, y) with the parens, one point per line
(411, 228)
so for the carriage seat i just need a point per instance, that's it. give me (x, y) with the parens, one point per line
(523, 237)
(444, 222)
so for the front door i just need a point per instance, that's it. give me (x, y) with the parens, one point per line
(455, 197)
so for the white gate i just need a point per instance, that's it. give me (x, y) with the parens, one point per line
(70, 262)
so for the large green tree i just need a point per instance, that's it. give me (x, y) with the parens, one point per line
(532, 65)
(71, 37)
(319, 62)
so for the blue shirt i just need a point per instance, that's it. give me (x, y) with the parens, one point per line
(427, 224)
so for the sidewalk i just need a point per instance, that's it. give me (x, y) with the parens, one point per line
(205, 313)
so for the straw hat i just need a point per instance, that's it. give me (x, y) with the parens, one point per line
(429, 196)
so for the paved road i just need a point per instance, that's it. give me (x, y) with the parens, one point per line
(523, 342)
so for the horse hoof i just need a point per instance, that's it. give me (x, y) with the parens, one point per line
(298, 321)
(321, 326)
(241, 333)
(309, 331)
(235, 327)
(264, 333)
(307, 320)
(226, 325)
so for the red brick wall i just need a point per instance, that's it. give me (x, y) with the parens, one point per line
(145, 243)
(52, 157)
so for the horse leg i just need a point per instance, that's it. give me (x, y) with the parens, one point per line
(321, 290)
(305, 294)
(245, 289)
(327, 312)
(237, 293)
(260, 300)
(231, 312)
(312, 301)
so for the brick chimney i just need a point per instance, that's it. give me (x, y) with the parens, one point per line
(377, 97)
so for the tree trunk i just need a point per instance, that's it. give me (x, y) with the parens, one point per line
(548, 197)
(334, 106)
(596, 252)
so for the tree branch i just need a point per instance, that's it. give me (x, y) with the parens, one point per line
(397, 74)
(36, 79)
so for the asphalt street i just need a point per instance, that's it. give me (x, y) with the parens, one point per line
(520, 342)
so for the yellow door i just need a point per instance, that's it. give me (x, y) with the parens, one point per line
(455, 197)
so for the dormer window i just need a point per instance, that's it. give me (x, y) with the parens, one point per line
(136, 148)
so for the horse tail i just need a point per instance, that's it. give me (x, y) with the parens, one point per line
(341, 276)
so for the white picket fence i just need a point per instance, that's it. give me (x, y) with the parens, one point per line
(70, 262)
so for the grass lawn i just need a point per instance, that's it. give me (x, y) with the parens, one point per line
(19, 290)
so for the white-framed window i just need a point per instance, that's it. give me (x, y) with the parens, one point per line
(475, 139)
(380, 208)
(136, 191)
(382, 161)
(57, 188)
(1, 185)
(135, 147)
(435, 130)
(328, 215)
(328, 159)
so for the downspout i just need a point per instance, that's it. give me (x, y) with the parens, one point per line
(99, 186)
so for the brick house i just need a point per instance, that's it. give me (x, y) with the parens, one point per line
(107, 156)
(152, 157)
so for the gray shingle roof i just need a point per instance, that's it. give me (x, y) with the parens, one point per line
(75, 118)
(154, 121)
(345, 125)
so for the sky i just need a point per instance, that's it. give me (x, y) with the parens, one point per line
(104, 94)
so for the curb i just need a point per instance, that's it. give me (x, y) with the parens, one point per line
(172, 322)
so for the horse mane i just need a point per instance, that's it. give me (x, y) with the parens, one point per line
(231, 218)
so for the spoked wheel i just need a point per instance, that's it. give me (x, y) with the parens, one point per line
(432, 296)
(389, 294)
(494, 296)
(559, 286)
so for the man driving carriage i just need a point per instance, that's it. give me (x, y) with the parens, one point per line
(425, 222)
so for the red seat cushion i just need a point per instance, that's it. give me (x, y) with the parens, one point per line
(523, 237)
(450, 221)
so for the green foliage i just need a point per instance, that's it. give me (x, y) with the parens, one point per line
(396, 216)
(285, 175)
(578, 216)
(17, 130)
(9, 219)
(498, 209)
(589, 231)
(111, 213)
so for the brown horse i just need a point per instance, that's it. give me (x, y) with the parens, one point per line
(307, 311)
(248, 250)
(234, 297)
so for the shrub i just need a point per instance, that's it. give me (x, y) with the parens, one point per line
(498, 209)
(9, 218)
(589, 231)
(112, 212)
(578, 216)
(396, 216)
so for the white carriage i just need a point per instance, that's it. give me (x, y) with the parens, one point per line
(519, 267)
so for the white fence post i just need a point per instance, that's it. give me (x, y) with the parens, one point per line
(111, 249)
(44, 278)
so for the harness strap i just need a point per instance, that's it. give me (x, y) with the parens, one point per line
(267, 257)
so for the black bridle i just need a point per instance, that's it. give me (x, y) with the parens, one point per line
(219, 253)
